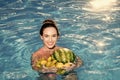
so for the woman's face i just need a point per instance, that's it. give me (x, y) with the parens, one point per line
(49, 37)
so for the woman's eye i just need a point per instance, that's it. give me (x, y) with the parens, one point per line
(54, 35)
(46, 35)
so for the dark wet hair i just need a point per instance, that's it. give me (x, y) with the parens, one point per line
(48, 23)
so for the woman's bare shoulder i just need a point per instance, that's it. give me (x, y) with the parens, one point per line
(58, 47)
(38, 52)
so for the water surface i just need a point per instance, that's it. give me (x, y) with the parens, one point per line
(91, 28)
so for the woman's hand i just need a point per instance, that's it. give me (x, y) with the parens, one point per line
(49, 70)
(69, 66)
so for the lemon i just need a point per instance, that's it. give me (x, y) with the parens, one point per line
(38, 65)
(67, 64)
(38, 62)
(48, 64)
(53, 63)
(49, 59)
(59, 65)
(43, 62)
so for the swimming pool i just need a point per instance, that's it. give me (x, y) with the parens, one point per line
(91, 28)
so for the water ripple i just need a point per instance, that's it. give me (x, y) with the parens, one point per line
(91, 31)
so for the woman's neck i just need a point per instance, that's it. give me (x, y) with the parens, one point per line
(46, 49)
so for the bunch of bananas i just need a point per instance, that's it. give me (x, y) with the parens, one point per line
(51, 62)
(46, 62)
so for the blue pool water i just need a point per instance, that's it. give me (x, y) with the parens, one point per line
(91, 28)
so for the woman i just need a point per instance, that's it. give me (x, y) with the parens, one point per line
(49, 34)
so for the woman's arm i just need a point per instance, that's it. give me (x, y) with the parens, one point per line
(34, 60)
(78, 62)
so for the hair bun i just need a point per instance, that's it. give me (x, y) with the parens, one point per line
(48, 21)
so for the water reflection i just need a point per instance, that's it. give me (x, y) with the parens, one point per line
(102, 5)
(100, 45)
(107, 18)
(102, 8)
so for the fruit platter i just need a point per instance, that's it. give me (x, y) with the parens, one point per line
(60, 58)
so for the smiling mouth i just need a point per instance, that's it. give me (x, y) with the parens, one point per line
(50, 44)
